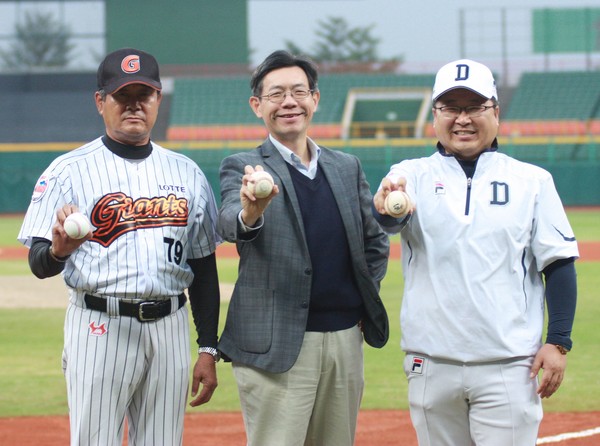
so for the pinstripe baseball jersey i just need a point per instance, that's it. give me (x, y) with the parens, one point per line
(149, 216)
(472, 256)
(151, 210)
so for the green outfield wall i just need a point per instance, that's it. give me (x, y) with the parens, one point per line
(573, 161)
(191, 32)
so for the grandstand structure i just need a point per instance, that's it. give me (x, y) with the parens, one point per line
(555, 103)
(386, 106)
(551, 119)
(216, 108)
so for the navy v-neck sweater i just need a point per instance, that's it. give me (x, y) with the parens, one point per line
(335, 303)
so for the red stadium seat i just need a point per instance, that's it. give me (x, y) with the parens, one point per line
(226, 132)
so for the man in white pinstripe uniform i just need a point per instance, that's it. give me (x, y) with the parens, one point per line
(153, 214)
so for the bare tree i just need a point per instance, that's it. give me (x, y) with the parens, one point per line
(342, 48)
(40, 41)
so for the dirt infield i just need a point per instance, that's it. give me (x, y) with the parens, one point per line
(375, 428)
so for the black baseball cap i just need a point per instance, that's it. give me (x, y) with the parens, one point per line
(128, 66)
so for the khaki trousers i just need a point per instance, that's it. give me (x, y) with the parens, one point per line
(315, 403)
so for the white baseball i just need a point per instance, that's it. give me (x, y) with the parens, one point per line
(261, 184)
(397, 203)
(77, 225)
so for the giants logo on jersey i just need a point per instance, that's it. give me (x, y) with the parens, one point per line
(116, 214)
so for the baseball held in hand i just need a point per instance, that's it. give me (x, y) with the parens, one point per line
(397, 203)
(77, 225)
(261, 184)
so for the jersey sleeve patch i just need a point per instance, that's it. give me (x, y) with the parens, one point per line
(40, 188)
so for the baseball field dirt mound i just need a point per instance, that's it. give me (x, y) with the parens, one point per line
(375, 428)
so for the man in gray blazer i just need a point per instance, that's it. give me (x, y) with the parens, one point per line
(311, 261)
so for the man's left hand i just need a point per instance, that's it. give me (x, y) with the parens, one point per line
(205, 372)
(553, 363)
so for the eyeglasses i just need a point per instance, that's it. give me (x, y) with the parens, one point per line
(277, 97)
(472, 111)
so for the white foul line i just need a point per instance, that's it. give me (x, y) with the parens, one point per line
(569, 436)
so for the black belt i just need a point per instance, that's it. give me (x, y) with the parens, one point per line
(145, 311)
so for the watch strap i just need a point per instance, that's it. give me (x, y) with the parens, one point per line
(561, 349)
(211, 351)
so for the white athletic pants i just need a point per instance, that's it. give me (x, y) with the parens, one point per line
(119, 367)
(483, 404)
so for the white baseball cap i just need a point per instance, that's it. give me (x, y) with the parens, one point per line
(465, 73)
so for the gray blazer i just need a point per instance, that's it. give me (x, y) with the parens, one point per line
(268, 311)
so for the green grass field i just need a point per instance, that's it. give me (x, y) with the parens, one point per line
(31, 380)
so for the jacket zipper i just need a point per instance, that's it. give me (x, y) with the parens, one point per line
(467, 204)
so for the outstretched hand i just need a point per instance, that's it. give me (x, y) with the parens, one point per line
(253, 207)
(62, 244)
(388, 186)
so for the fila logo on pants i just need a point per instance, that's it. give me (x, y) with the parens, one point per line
(417, 365)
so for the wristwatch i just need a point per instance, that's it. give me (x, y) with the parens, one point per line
(211, 351)
(561, 349)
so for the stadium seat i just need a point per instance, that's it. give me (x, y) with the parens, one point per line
(543, 104)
